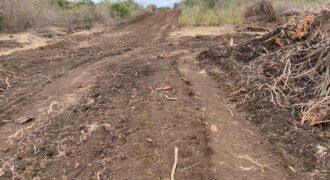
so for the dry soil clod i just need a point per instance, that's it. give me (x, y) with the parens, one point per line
(214, 128)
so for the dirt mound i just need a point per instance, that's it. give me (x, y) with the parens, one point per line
(285, 75)
(261, 10)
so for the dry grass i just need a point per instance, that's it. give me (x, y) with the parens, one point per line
(232, 11)
(201, 16)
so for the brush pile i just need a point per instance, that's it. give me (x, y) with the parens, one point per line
(261, 10)
(290, 67)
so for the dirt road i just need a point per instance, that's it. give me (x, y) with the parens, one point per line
(115, 105)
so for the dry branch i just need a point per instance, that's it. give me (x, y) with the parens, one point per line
(296, 74)
(8, 85)
(176, 150)
(170, 98)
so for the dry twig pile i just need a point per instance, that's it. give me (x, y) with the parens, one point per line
(294, 72)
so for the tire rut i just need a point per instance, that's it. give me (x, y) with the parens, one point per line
(238, 151)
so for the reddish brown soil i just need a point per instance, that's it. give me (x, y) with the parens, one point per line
(114, 105)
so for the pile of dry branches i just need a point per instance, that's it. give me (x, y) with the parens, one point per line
(296, 74)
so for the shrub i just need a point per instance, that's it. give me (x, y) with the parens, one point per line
(2, 20)
(120, 9)
(22, 14)
(61, 3)
(191, 3)
(19, 15)
(165, 8)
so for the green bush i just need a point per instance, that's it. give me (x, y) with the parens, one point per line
(121, 9)
(191, 3)
(85, 3)
(165, 8)
(63, 4)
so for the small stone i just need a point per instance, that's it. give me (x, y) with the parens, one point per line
(23, 120)
(214, 128)
(20, 166)
(77, 165)
(149, 140)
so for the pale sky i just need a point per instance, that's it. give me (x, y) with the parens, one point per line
(159, 3)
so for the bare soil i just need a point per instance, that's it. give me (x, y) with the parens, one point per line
(115, 104)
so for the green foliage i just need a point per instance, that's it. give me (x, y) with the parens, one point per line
(210, 3)
(165, 8)
(121, 9)
(205, 3)
(85, 3)
(63, 4)
(191, 3)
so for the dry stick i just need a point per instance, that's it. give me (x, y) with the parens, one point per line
(170, 98)
(8, 85)
(194, 165)
(176, 150)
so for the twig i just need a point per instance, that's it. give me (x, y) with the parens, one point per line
(262, 167)
(176, 151)
(293, 170)
(98, 174)
(192, 166)
(170, 98)
(8, 85)
(152, 91)
(203, 112)
(114, 74)
(164, 88)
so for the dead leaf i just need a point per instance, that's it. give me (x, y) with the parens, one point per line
(214, 128)
(279, 42)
